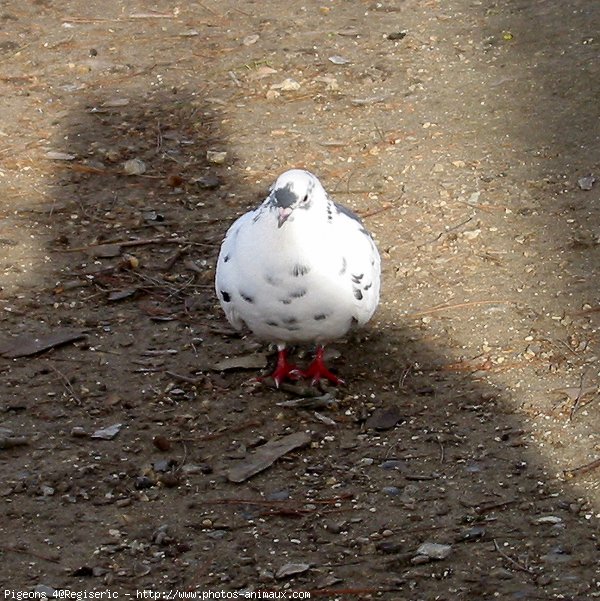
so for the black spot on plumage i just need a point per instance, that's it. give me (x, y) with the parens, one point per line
(299, 270)
(344, 266)
(290, 320)
(285, 301)
(353, 322)
(226, 296)
(258, 215)
(271, 322)
(226, 258)
(298, 293)
(320, 316)
(246, 297)
(367, 286)
(357, 278)
(358, 294)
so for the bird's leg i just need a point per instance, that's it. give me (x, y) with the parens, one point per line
(317, 370)
(284, 370)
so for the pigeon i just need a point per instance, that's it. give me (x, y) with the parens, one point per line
(300, 268)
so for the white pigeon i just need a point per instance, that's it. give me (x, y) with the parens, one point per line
(300, 268)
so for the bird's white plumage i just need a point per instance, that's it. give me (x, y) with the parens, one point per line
(299, 268)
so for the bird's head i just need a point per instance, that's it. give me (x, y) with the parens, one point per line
(295, 190)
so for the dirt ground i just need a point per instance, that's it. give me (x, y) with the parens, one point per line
(464, 133)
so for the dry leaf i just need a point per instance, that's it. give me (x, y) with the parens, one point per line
(31, 344)
(252, 361)
(266, 455)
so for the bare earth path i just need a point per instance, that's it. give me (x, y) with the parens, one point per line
(466, 133)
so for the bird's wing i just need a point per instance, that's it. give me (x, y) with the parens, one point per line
(227, 276)
(361, 264)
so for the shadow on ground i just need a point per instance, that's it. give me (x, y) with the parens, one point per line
(151, 507)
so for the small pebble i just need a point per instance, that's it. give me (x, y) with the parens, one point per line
(216, 157)
(279, 495)
(392, 464)
(291, 569)
(434, 550)
(43, 591)
(388, 546)
(143, 482)
(586, 183)
(134, 167)
(548, 519)
(335, 527)
(162, 443)
(420, 559)
(473, 533)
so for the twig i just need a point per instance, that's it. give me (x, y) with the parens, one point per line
(223, 432)
(210, 10)
(128, 243)
(577, 402)
(459, 306)
(377, 211)
(336, 592)
(442, 451)
(451, 229)
(510, 560)
(170, 262)
(27, 552)
(182, 378)
(582, 469)
(131, 17)
(66, 382)
(271, 503)
(295, 389)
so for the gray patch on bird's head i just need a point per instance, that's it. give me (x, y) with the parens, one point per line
(292, 196)
(284, 197)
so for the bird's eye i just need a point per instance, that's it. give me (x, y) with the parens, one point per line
(305, 198)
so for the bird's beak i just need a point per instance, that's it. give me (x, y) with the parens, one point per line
(284, 213)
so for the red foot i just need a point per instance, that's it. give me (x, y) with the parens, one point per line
(284, 370)
(317, 370)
